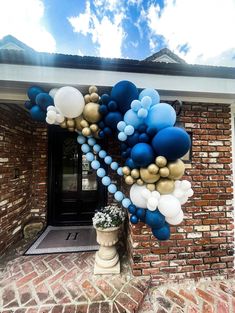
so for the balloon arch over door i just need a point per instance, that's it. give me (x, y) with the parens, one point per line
(150, 145)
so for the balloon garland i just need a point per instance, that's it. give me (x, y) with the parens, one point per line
(150, 144)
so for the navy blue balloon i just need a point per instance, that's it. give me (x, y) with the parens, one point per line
(124, 92)
(105, 98)
(37, 113)
(112, 105)
(154, 219)
(171, 142)
(130, 163)
(134, 219)
(133, 139)
(44, 100)
(33, 92)
(162, 233)
(101, 134)
(123, 146)
(107, 131)
(142, 154)
(132, 209)
(101, 124)
(112, 119)
(144, 137)
(103, 109)
(142, 128)
(140, 213)
(28, 105)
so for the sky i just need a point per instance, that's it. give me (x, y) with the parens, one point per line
(198, 31)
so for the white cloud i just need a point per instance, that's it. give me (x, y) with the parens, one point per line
(106, 32)
(206, 26)
(23, 19)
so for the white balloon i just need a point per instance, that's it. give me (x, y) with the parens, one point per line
(176, 220)
(183, 200)
(69, 101)
(146, 193)
(152, 203)
(155, 194)
(169, 205)
(51, 108)
(137, 197)
(177, 184)
(178, 193)
(190, 192)
(49, 121)
(185, 185)
(151, 208)
(51, 115)
(59, 118)
(53, 91)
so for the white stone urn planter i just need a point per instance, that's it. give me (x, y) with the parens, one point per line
(107, 258)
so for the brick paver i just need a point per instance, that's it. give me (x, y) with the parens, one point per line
(64, 283)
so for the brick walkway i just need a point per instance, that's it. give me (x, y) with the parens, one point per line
(65, 283)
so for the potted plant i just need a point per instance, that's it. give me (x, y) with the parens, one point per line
(107, 222)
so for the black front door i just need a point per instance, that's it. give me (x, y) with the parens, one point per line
(74, 191)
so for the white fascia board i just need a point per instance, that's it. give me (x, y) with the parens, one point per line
(203, 89)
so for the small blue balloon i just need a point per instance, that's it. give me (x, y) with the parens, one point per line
(90, 156)
(95, 164)
(132, 209)
(103, 109)
(112, 119)
(37, 113)
(133, 139)
(101, 172)
(152, 93)
(91, 141)
(134, 219)
(140, 213)
(118, 196)
(135, 105)
(146, 102)
(162, 233)
(154, 219)
(106, 181)
(123, 146)
(81, 139)
(96, 148)
(108, 131)
(105, 98)
(130, 163)
(121, 126)
(108, 159)
(33, 92)
(142, 128)
(112, 188)
(129, 130)
(28, 105)
(144, 137)
(112, 105)
(44, 100)
(102, 154)
(142, 113)
(122, 136)
(85, 148)
(119, 171)
(142, 154)
(114, 166)
(101, 134)
(126, 202)
(101, 124)
(131, 118)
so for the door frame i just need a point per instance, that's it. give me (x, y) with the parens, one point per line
(233, 148)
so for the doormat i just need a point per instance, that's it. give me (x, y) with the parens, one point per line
(65, 239)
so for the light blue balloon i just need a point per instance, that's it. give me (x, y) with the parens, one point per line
(118, 196)
(114, 166)
(121, 126)
(119, 171)
(129, 130)
(96, 148)
(131, 118)
(135, 105)
(108, 159)
(152, 93)
(106, 181)
(126, 202)
(95, 164)
(91, 141)
(85, 148)
(81, 139)
(102, 154)
(146, 102)
(160, 116)
(90, 156)
(112, 188)
(142, 113)
(122, 136)
(101, 172)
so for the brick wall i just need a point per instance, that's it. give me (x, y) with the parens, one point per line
(203, 244)
(23, 146)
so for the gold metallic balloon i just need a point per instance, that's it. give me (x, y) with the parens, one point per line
(148, 177)
(70, 123)
(63, 124)
(87, 98)
(164, 172)
(126, 170)
(94, 97)
(140, 182)
(84, 123)
(96, 134)
(93, 89)
(94, 127)
(153, 169)
(165, 186)
(71, 129)
(91, 112)
(86, 131)
(129, 180)
(135, 173)
(161, 161)
(176, 169)
(77, 121)
(150, 187)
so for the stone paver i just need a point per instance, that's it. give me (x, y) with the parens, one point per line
(203, 296)
(64, 283)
